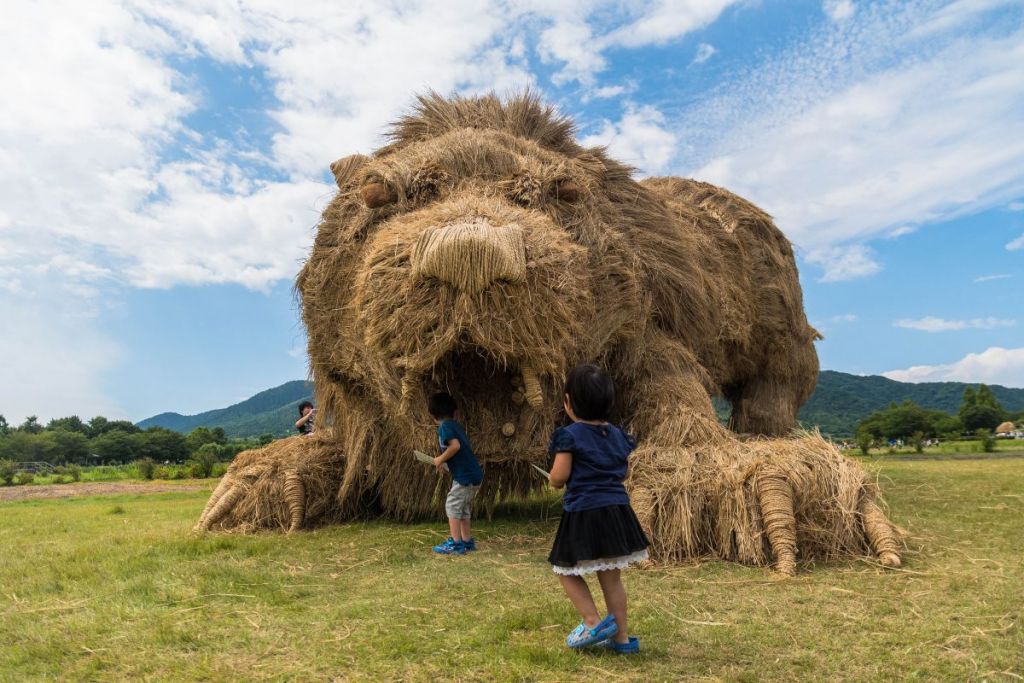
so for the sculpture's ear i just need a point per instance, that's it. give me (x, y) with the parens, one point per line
(592, 162)
(345, 167)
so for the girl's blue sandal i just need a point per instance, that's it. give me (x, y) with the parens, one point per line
(582, 636)
(628, 648)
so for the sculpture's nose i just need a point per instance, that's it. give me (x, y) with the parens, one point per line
(471, 255)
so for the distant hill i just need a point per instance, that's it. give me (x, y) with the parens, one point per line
(273, 411)
(840, 402)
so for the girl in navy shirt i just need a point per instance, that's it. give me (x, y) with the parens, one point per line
(599, 531)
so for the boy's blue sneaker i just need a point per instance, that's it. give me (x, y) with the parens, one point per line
(628, 648)
(469, 545)
(451, 547)
(582, 636)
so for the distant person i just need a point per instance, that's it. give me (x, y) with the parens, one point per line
(467, 476)
(599, 531)
(307, 413)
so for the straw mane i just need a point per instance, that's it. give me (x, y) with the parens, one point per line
(484, 252)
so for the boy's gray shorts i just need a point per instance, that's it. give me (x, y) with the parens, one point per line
(459, 498)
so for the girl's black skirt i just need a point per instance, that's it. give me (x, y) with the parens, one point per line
(605, 533)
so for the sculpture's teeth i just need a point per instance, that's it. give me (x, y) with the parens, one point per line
(531, 387)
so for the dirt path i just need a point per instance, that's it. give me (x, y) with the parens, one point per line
(105, 488)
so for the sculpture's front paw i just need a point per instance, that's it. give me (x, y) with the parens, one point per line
(284, 485)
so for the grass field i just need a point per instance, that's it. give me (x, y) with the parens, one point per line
(114, 588)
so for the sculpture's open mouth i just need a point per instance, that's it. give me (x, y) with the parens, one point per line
(501, 404)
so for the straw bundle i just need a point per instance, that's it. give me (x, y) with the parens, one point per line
(280, 486)
(483, 252)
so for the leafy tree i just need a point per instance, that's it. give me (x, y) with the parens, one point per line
(22, 446)
(981, 417)
(918, 442)
(100, 425)
(97, 426)
(980, 409)
(202, 461)
(114, 446)
(5, 428)
(987, 398)
(161, 445)
(126, 426)
(265, 439)
(146, 467)
(864, 442)
(72, 423)
(969, 399)
(200, 436)
(904, 420)
(944, 424)
(988, 442)
(31, 425)
(7, 470)
(70, 446)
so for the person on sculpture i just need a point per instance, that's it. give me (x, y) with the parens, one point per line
(307, 414)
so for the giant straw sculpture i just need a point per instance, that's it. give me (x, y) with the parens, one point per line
(484, 252)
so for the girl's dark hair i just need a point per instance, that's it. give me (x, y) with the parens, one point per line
(441, 406)
(591, 392)
(304, 405)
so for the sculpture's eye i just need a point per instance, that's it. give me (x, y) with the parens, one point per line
(429, 184)
(566, 191)
(526, 190)
(377, 194)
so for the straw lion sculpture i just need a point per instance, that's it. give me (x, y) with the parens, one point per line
(484, 252)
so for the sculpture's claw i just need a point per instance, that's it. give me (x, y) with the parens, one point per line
(285, 485)
(758, 502)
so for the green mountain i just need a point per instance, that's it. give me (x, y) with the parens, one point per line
(273, 411)
(839, 403)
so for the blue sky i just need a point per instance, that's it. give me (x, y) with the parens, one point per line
(164, 165)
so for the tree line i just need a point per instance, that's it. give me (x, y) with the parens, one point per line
(71, 440)
(979, 411)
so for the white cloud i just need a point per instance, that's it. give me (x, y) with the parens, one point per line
(994, 365)
(844, 262)
(704, 53)
(989, 278)
(933, 324)
(844, 318)
(581, 31)
(104, 185)
(640, 138)
(866, 128)
(1014, 245)
(609, 91)
(1015, 206)
(838, 10)
(901, 231)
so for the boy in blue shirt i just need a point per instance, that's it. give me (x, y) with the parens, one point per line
(457, 453)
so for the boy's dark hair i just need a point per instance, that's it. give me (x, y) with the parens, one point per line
(304, 405)
(441, 406)
(591, 392)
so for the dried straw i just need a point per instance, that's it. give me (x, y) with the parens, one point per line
(484, 252)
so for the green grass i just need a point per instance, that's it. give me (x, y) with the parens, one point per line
(945, 448)
(115, 588)
(108, 473)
